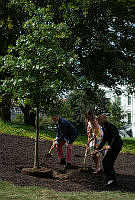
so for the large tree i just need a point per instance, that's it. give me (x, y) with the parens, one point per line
(105, 31)
(12, 17)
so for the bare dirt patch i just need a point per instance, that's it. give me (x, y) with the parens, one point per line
(17, 153)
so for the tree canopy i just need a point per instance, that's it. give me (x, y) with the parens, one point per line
(100, 32)
(42, 68)
(105, 30)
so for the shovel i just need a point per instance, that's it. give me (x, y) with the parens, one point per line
(85, 156)
(98, 151)
(91, 154)
(49, 154)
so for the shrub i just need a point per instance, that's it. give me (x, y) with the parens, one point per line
(46, 123)
(19, 119)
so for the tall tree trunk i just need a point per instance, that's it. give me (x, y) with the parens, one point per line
(26, 110)
(5, 108)
(36, 161)
(32, 118)
(29, 115)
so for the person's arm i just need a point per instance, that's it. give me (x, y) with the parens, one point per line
(59, 135)
(59, 139)
(115, 134)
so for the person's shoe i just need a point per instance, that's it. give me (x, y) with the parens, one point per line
(68, 166)
(62, 161)
(111, 183)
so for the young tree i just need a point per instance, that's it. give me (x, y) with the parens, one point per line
(42, 69)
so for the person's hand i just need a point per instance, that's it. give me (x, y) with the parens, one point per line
(87, 147)
(108, 147)
(54, 142)
(94, 153)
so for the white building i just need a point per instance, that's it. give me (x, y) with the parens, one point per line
(127, 102)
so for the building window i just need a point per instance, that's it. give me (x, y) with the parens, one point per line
(129, 100)
(119, 100)
(129, 118)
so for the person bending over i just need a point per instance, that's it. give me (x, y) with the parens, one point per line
(111, 136)
(66, 134)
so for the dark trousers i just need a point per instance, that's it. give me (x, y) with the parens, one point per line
(108, 163)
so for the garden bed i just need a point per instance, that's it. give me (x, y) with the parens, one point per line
(17, 154)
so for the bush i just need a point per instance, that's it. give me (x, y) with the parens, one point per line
(46, 123)
(19, 119)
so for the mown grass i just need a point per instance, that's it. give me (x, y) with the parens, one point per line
(10, 192)
(29, 131)
(25, 131)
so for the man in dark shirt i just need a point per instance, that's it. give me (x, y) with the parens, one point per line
(111, 136)
(66, 134)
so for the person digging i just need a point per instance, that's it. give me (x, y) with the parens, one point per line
(111, 136)
(66, 134)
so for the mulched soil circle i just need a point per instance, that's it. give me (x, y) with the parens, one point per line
(17, 155)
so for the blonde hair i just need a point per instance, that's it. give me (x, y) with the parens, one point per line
(102, 119)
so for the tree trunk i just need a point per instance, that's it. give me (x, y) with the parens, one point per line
(26, 109)
(36, 161)
(5, 108)
(29, 116)
(32, 118)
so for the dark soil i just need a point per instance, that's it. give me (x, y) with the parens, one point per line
(17, 153)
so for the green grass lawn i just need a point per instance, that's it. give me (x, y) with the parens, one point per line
(29, 131)
(10, 192)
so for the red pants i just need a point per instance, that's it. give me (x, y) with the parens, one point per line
(68, 151)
